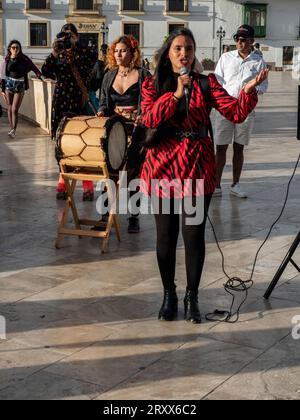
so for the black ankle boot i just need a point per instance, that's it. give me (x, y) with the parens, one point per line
(191, 307)
(169, 309)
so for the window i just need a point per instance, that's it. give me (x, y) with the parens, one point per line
(256, 16)
(288, 55)
(226, 48)
(85, 4)
(177, 5)
(38, 34)
(38, 4)
(132, 5)
(89, 40)
(132, 29)
(175, 26)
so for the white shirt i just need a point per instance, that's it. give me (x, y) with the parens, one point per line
(233, 72)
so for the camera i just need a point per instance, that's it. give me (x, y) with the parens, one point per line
(63, 40)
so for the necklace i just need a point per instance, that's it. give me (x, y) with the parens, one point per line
(124, 73)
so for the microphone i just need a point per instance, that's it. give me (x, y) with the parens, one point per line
(182, 72)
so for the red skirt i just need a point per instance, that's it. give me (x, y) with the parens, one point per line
(176, 169)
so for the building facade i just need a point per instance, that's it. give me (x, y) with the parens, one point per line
(33, 22)
(276, 24)
(36, 22)
(152, 20)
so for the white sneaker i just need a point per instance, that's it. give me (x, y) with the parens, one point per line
(237, 191)
(12, 133)
(218, 192)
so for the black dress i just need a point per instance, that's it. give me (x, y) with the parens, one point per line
(67, 96)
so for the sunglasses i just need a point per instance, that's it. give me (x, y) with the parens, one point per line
(239, 39)
(15, 48)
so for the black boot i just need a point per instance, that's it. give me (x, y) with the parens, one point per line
(191, 307)
(169, 309)
(133, 224)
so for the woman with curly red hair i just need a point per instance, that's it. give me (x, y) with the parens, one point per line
(121, 92)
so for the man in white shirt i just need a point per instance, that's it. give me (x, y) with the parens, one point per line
(234, 69)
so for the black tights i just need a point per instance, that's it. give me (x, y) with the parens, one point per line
(167, 226)
(14, 102)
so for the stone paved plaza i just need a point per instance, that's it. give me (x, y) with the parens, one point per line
(82, 325)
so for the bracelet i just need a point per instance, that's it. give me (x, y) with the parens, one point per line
(176, 99)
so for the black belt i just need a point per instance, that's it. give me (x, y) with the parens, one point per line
(191, 133)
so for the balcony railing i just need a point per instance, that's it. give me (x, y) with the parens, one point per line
(132, 5)
(38, 4)
(177, 6)
(87, 5)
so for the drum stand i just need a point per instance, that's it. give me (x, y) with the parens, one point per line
(95, 171)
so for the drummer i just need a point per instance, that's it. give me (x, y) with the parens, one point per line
(120, 94)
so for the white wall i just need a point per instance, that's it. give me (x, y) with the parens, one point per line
(16, 24)
(155, 24)
(206, 17)
(283, 19)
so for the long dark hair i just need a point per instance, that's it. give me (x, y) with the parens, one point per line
(14, 41)
(164, 70)
(70, 27)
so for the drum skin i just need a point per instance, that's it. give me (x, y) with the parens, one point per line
(93, 139)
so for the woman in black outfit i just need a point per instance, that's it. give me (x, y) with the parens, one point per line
(60, 65)
(15, 81)
(175, 104)
(121, 94)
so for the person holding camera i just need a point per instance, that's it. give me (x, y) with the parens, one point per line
(14, 81)
(70, 65)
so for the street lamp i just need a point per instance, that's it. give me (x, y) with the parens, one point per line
(104, 31)
(220, 34)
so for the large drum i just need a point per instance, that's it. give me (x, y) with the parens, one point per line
(92, 139)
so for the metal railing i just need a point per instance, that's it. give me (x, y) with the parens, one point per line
(38, 4)
(177, 6)
(132, 5)
(88, 5)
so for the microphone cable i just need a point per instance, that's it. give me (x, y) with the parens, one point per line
(236, 284)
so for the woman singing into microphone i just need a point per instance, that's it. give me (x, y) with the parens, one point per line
(182, 150)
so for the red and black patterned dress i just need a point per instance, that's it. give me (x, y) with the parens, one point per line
(187, 159)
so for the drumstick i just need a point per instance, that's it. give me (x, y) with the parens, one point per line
(93, 108)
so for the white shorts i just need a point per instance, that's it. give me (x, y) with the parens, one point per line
(227, 132)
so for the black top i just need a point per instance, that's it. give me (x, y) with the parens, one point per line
(16, 68)
(106, 105)
(96, 76)
(129, 98)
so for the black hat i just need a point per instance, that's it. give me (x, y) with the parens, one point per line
(245, 31)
